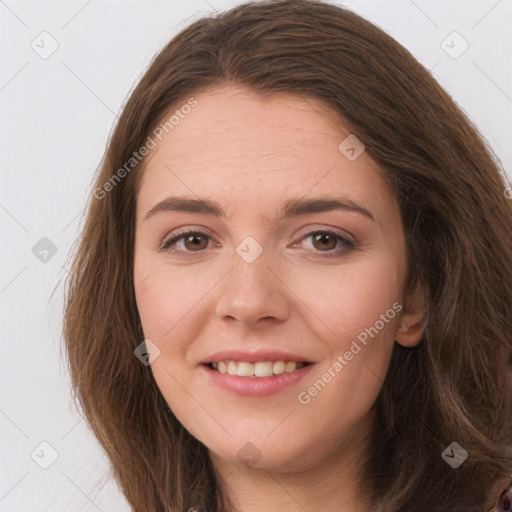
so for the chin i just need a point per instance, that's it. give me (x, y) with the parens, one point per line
(260, 451)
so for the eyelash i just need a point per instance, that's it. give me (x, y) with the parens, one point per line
(348, 244)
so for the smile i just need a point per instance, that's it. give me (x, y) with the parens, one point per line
(259, 369)
(256, 379)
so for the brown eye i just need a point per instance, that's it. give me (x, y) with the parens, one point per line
(193, 241)
(330, 243)
(325, 241)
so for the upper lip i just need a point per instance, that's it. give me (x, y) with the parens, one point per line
(253, 356)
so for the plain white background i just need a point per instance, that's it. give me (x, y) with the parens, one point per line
(56, 114)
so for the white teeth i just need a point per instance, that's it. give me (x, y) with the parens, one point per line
(245, 370)
(290, 367)
(232, 368)
(278, 367)
(258, 369)
(263, 369)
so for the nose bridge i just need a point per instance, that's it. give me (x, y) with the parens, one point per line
(252, 290)
(251, 277)
(252, 269)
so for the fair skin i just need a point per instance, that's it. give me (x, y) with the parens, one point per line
(251, 155)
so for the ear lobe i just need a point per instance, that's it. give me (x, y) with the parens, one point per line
(409, 332)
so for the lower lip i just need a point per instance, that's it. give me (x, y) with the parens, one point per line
(256, 386)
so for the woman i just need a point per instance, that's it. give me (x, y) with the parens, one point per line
(223, 358)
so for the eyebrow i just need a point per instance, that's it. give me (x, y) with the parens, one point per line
(291, 208)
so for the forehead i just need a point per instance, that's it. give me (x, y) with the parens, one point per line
(238, 147)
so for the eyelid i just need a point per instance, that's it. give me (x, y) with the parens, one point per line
(306, 231)
(331, 229)
(348, 240)
(180, 232)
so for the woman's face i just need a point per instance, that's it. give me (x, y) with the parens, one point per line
(260, 287)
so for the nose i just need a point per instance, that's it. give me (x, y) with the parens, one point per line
(253, 293)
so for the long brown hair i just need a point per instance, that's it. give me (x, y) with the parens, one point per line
(455, 386)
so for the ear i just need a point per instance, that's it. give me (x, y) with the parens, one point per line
(411, 327)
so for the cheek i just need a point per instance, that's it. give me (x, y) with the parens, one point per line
(361, 312)
(159, 300)
(170, 304)
(356, 298)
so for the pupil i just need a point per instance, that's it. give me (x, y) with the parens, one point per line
(323, 237)
(194, 239)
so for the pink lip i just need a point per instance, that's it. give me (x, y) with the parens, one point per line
(253, 356)
(256, 386)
